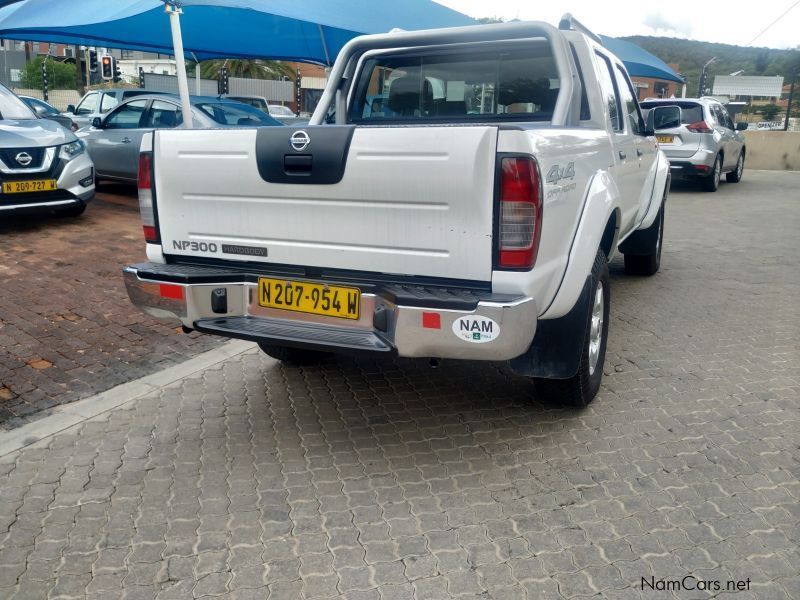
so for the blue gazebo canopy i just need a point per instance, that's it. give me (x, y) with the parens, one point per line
(639, 62)
(305, 30)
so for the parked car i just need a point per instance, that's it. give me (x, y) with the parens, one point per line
(43, 166)
(98, 102)
(114, 140)
(46, 111)
(284, 114)
(474, 221)
(700, 140)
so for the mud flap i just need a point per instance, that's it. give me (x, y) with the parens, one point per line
(555, 352)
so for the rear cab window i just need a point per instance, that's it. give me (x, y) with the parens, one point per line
(443, 85)
(691, 112)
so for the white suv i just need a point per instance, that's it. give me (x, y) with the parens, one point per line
(700, 140)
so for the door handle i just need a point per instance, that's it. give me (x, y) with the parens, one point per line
(126, 140)
(622, 155)
(639, 153)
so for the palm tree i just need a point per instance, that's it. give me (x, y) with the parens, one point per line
(250, 69)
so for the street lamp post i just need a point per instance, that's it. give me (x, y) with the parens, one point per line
(701, 91)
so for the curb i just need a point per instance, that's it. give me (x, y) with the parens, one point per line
(77, 412)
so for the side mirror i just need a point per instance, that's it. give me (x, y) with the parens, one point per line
(40, 111)
(741, 126)
(665, 117)
(97, 123)
(71, 108)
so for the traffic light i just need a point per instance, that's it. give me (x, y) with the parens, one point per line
(93, 61)
(107, 67)
(222, 82)
(117, 71)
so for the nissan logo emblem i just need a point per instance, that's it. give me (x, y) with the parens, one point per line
(299, 140)
(23, 158)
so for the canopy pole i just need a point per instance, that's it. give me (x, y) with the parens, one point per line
(196, 75)
(324, 45)
(174, 13)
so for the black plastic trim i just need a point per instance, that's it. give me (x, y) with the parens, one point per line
(322, 161)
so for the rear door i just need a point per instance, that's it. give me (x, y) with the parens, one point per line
(626, 162)
(115, 148)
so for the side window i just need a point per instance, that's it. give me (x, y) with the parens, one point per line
(726, 117)
(630, 105)
(609, 87)
(108, 102)
(88, 105)
(163, 115)
(127, 116)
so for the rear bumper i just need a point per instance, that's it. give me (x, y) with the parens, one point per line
(697, 165)
(391, 318)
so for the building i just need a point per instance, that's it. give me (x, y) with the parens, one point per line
(755, 89)
(657, 87)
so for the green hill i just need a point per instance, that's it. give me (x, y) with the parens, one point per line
(690, 56)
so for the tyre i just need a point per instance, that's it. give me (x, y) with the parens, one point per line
(711, 183)
(293, 356)
(581, 388)
(648, 264)
(76, 210)
(735, 176)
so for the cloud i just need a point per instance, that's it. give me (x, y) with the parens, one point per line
(660, 24)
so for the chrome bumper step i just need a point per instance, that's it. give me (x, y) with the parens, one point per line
(297, 333)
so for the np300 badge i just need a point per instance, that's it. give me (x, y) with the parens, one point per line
(299, 140)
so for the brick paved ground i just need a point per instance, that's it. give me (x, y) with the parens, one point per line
(67, 330)
(365, 481)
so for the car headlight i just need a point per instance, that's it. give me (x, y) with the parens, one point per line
(73, 149)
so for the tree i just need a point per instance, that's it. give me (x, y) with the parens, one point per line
(250, 69)
(770, 111)
(60, 76)
(486, 20)
(762, 62)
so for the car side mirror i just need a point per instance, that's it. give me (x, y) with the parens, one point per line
(665, 117)
(71, 108)
(741, 126)
(97, 123)
(40, 111)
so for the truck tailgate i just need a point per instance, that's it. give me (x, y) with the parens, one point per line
(410, 201)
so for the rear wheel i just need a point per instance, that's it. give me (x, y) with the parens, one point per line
(711, 183)
(648, 264)
(581, 388)
(735, 176)
(293, 356)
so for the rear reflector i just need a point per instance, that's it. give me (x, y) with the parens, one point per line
(173, 292)
(520, 213)
(145, 184)
(431, 320)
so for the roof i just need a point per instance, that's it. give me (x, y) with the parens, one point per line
(639, 62)
(747, 85)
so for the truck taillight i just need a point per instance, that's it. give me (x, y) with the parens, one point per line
(520, 213)
(699, 127)
(146, 209)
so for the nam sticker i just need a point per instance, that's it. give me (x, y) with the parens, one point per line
(476, 330)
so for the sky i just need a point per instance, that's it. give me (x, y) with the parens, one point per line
(705, 20)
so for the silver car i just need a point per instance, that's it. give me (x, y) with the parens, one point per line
(114, 140)
(701, 143)
(43, 166)
(47, 111)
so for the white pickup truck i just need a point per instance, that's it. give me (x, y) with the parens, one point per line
(458, 194)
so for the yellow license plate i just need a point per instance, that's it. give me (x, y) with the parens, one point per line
(312, 298)
(32, 185)
(664, 139)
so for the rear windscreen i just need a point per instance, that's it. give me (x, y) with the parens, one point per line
(517, 84)
(691, 112)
